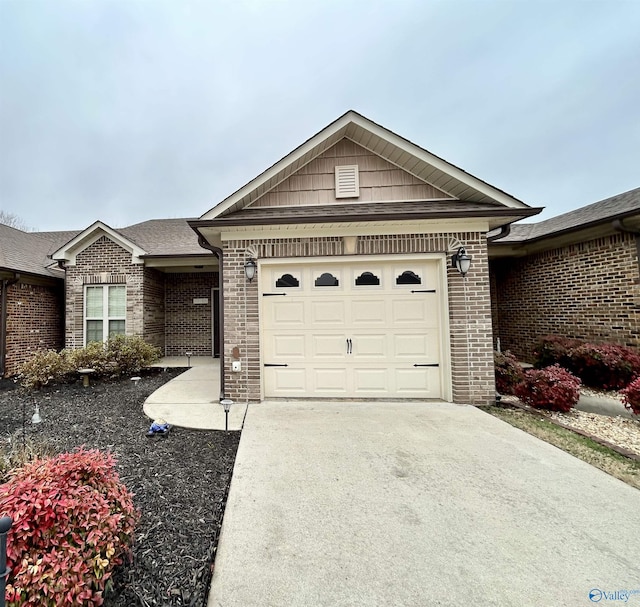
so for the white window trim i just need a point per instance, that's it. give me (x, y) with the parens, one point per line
(105, 318)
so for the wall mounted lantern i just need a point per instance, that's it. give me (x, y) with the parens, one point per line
(250, 268)
(461, 261)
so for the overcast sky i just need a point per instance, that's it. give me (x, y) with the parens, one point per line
(131, 110)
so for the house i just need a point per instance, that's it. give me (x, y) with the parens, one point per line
(351, 237)
(576, 275)
(329, 275)
(31, 296)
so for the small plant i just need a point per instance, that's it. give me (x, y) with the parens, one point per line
(552, 388)
(631, 396)
(508, 372)
(128, 354)
(73, 522)
(18, 450)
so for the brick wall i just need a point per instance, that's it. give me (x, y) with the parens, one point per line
(469, 306)
(34, 322)
(188, 324)
(103, 262)
(153, 302)
(588, 291)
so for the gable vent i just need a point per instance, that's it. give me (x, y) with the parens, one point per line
(347, 181)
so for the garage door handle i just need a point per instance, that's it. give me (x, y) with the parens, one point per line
(349, 346)
(428, 365)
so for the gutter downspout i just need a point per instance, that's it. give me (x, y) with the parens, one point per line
(618, 226)
(218, 253)
(4, 288)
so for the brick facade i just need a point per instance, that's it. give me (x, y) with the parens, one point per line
(34, 322)
(188, 320)
(160, 307)
(469, 305)
(589, 290)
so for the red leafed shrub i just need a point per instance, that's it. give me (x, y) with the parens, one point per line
(508, 372)
(605, 366)
(554, 350)
(552, 388)
(73, 522)
(631, 396)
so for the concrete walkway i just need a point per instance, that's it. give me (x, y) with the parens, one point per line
(603, 405)
(370, 504)
(192, 400)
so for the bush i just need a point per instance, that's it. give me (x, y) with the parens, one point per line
(554, 350)
(73, 522)
(552, 388)
(45, 367)
(120, 355)
(606, 366)
(631, 396)
(508, 372)
(19, 450)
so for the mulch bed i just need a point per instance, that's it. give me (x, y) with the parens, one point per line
(180, 480)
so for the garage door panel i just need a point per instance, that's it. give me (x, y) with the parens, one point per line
(371, 381)
(285, 381)
(370, 346)
(370, 311)
(414, 310)
(329, 381)
(325, 312)
(414, 346)
(287, 346)
(419, 381)
(328, 345)
(285, 313)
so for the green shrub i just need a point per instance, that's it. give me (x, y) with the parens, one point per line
(45, 367)
(508, 372)
(552, 388)
(130, 354)
(73, 522)
(120, 355)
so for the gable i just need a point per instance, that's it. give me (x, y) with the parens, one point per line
(379, 180)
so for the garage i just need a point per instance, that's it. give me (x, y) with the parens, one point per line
(354, 328)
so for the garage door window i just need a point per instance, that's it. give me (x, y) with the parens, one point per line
(287, 281)
(367, 279)
(327, 280)
(408, 278)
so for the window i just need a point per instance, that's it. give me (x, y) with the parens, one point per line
(287, 281)
(327, 280)
(367, 279)
(105, 312)
(408, 278)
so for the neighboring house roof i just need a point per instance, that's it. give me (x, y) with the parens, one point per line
(621, 206)
(397, 150)
(26, 252)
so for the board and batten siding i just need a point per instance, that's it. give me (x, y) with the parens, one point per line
(380, 180)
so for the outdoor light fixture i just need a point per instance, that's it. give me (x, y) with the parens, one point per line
(35, 418)
(250, 268)
(188, 355)
(461, 261)
(226, 403)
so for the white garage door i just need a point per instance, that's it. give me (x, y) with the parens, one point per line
(351, 330)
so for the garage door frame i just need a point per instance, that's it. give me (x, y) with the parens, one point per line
(441, 289)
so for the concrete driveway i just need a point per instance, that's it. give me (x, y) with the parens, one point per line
(372, 504)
